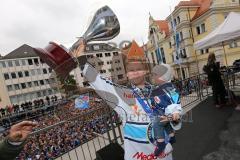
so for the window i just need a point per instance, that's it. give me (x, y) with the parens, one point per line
(23, 62)
(17, 63)
(39, 71)
(162, 55)
(201, 29)
(100, 63)
(181, 36)
(207, 50)
(50, 70)
(32, 72)
(20, 74)
(107, 54)
(175, 22)
(103, 71)
(42, 82)
(96, 47)
(198, 30)
(120, 76)
(36, 83)
(183, 53)
(172, 24)
(115, 53)
(170, 45)
(89, 56)
(29, 84)
(44, 92)
(10, 64)
(16, 86)
(118, 69)
(3, 64)
(47, 81)
(99, 55)
(178, 19)
(44, 71)
(6, 76)
(110, 70)
(26, 73)
(41, 61)
(13, 75)
(9, 87)
(13, 99)
(202, 51)
(30, 62)
(36, 62)
(49, 92)
(23, 85)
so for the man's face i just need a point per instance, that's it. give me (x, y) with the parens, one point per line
(136, 72)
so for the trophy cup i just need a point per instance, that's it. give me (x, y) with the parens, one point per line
(104, 26)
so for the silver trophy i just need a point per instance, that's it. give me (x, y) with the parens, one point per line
(104, 26)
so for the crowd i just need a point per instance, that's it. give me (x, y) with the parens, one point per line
(26, 106)
(189, 85)
(77, 130)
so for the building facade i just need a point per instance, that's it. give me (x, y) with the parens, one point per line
(106, 59)
(193, 20)
(24, 77)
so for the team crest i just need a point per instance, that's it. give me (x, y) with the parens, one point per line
(157, 99)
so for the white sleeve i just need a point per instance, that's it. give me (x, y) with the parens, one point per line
(174, 108)
(112, 93)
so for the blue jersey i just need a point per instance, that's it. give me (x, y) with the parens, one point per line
(163, 96)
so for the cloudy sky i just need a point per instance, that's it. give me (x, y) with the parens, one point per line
(36, 22)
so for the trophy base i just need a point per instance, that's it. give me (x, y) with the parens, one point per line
(57, 58)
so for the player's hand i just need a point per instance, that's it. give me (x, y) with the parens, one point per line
(20, 131)
(175, 116)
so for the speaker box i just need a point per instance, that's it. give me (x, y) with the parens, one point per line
(110, 152)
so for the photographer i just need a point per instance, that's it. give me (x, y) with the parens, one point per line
(215, 80)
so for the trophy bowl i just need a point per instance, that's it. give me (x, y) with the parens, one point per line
(104, 26)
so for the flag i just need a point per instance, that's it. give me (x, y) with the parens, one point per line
(82, 102)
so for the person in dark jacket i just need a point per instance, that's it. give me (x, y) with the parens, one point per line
(214, 79)
(12, 145)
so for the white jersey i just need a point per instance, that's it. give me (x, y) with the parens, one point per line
(138, 135)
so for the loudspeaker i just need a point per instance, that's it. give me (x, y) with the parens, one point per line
(110, 152)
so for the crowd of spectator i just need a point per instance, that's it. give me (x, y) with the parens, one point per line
(77, 130)
(26, 106)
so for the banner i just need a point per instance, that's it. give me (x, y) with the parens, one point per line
(82, 102)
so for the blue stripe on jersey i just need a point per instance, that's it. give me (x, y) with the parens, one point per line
(135, 131)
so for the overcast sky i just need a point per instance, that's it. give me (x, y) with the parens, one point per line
(36, 22)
